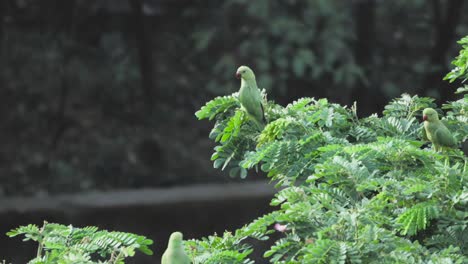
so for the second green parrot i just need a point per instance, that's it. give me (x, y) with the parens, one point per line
(436, 131)
(175, 253)
(250, 97)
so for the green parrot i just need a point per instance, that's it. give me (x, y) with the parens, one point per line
(175, 253)
(250, 97)
(436, 132)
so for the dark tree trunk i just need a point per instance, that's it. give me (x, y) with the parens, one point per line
(144, 52)
(444, 37)
(364, 16)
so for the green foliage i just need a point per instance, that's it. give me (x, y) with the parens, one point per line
(408, 106)
(417, 217)
(230, 248)
(461, 63)
(354, 190)
(457, 115)
(217, 106)
(71, 245)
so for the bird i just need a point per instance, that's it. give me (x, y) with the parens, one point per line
(175, 253)
(250, 97)
(436, 132)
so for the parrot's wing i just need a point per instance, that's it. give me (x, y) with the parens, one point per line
(259, 99)
(444, 137)
(263, 113)
(256, 109)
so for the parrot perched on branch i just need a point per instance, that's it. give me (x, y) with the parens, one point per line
(436, 131)
(175, 253)
(250, 97)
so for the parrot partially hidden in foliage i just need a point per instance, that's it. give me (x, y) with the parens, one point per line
(250, 97)
(175, 253)
(436, 132)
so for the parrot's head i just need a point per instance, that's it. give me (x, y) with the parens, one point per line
(245, 73)
(175, 239)
(430, 115)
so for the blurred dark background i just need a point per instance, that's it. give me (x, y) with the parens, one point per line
(101, 94)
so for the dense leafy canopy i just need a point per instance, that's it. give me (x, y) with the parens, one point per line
(71, 245)
(354, 190)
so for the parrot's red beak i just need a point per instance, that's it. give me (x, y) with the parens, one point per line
(238, 75)
(424, 117)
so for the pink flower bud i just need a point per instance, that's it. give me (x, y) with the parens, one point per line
(280, 228)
